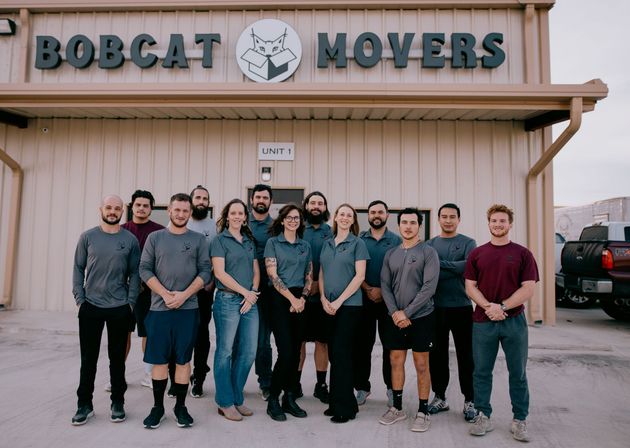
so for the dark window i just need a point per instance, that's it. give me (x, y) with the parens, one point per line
(594, 233)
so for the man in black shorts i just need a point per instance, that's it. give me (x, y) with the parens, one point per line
(141, 226)
(175, 265)
(409, 279)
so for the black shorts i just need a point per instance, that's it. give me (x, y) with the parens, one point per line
(171, 334)
(316, 321)
(140, 311)
(419, 336)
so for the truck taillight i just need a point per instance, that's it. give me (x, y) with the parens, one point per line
(607, 260)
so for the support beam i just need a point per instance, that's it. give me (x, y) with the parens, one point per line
(13, 119)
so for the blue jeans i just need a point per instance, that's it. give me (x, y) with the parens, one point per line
(231, 369)
(512, 334)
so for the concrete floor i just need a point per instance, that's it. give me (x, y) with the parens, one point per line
(579, 377)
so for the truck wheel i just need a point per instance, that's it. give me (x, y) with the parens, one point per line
(617, 308)
(571, 299)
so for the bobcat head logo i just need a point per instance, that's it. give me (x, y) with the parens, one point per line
(268, 51)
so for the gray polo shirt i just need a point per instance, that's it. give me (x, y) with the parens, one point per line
(239, 258)
(207, 227)
(292, 259)
(409, 278)
(260, 229)
(175, 260)
(106, 268)
(316, 238)
(377, 250)
(338, 267)
(453, 253)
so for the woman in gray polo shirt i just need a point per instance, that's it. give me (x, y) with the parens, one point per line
(290, 269)
(342, 270)
(235, 312)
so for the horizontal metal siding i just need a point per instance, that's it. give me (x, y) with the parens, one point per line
(307, 23)
(405, 163)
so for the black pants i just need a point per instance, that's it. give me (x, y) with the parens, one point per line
(264, 354)
(459, 322)
(287, 330)
(92, 319)
(343, 328)
(202, 345)
(365, 339)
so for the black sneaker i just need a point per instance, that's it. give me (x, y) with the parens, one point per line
(274, 410)
(321, 392)
(118, 413)
(82, 415)
(155, 418)
(196, 389)
(171, 392)
(184, 420)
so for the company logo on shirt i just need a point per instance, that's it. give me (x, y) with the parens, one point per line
(187, 246)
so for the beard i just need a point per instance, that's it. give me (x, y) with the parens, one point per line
(179, 226)
(380, 225)
(261, 208)
(499, 233)
(200, 212)
(111, 220)
(314, 219)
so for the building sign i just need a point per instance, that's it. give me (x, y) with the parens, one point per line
(276, 151)
(268, 51)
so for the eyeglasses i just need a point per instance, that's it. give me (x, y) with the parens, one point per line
(292, 218)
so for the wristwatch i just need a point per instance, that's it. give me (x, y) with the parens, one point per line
(503, 307)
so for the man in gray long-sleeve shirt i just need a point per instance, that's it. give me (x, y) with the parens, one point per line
(408, 281)
(105, 285)
(453, 313)
(175, 264)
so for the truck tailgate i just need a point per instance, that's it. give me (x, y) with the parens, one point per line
(583, 258)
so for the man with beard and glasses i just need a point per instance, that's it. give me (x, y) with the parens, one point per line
(105, 285)
(500, 277)
(141, 226)
(175, 264)
(259, 222)
(378, 240)
(202, 223)
(316, 233)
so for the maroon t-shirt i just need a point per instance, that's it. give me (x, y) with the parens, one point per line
(142, 231)
(499, 271)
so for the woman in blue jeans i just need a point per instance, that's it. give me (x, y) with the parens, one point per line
(235, 312)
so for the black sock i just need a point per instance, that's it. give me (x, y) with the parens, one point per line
(299, 376)
(321, 376)
(398, 399)
(180, 394)
(423, 406)
(159, 386)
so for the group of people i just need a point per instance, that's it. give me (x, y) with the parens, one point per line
(302, 280)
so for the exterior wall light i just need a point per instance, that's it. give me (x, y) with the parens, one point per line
(7, 27)
(265, 173)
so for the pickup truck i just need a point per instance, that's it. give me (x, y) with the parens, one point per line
(597, 266)
(565, 297)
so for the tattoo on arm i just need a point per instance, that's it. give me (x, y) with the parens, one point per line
(270, 262)
(308, 280)
(278, 284)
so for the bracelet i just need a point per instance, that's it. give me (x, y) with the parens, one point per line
(254, 290)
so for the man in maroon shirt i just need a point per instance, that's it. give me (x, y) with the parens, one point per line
(141, 226)
(500, 277)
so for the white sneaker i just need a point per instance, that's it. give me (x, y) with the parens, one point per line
(147, 381)
(422, 422)
(392, 416)
(519, 430)
(481, 425)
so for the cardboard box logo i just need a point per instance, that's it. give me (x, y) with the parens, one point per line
(269, 50)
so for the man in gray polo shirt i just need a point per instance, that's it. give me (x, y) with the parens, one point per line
(105, 285)
(408, 281)
(175, 265)
(378, 240)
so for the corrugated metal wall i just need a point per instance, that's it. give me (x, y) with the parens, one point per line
(230, 24)
(422, 163)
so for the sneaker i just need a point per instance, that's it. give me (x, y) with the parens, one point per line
(147, 381)
(421, 423)
(184, 420)
(171, 392)
(321, 392)
(118, 413)
(392, 416)
(108, 386)
(469, 411)
(264, 393)
(196, 390)
(390, 398)
(82, 415)
(362, 396)
(154, 418)
(437, 405)
(519, 430)
(481, 425)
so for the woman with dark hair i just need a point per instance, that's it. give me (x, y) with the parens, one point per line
(235, 312)
(342, 270)
(290, 269)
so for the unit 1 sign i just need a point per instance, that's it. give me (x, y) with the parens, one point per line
(276, 151)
